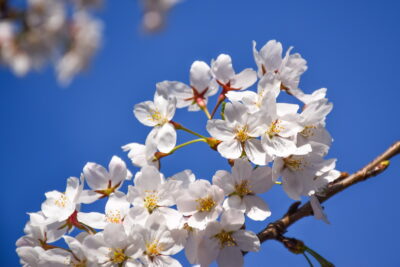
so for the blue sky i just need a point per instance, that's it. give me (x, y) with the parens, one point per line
(48, 133)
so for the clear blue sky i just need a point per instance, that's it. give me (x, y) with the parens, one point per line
(49, 133)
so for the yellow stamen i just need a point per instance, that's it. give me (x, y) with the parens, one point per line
(308, 131)
(225, 239)
(156, 116)
(275, 128)
(205, 204)
(242, 133)
(150, 201)
(243, 189)
(295, 164)
(153, 249)
(61, 201)
(118, 256)
(114, 216)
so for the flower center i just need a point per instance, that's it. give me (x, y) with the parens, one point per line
(114, 216)
(155, 115)
(225, 239)
(242, 133)
(118, 255)
(153, 249)
(205, 204)
(308, 131)
(150, 201)
(274, 128)
(61, 202)
(243, 189)
(294, 164)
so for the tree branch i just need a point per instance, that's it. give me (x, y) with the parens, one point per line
(276, 229)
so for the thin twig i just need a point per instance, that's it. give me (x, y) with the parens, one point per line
(378, 165)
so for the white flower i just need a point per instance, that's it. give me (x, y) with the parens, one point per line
(158, 114)
(304, 173)
(143, 155)
(30, 256)
(202, 202)
(103, 182)
(40, 230)
(155, 12)
(60, 206)
(238, 133)
(222, 70)
(202, 86)
(252, 100)
(280, 127)
(113, 247)
(117, 208)
(224, 241)
(153, 194)
(288, 69)
(159, 242)
(242, 186)
(313, 120)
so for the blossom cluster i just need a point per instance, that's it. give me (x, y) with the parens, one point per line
(63, 31)
(46, 30)
(267, 143)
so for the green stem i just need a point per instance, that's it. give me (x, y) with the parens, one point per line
(180, 127)
(187, 143)
(319, 258)
(308, 260)
(205, 109)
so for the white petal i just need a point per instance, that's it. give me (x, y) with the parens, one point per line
(292, 185)
(220, 130)
(144, 111)
(96, 176)
(200, 75)
(88, 196)
(166, 138)
(244, 79)
(261, 180)
(73, 188)
(230, 149)
(271, 53)
(224, 180)
(222, 68)
(93, 219)
(230, 257)
(117, 170)
(149, 178)
(115, 236)
(278, 146)
(180, 90)
(256, 153)
(247, 240)
(234, 202)
(256, 208)
(235, 111)
(318, 211)
(232, 220)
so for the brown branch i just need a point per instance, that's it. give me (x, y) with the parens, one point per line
(276, 229)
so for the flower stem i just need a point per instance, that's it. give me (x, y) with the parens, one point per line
(319, 258)
(205, 109)
(187, 143)
(308, 260)
(221, 99)
(179, 126)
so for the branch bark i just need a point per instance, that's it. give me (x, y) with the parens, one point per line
(276, 229)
